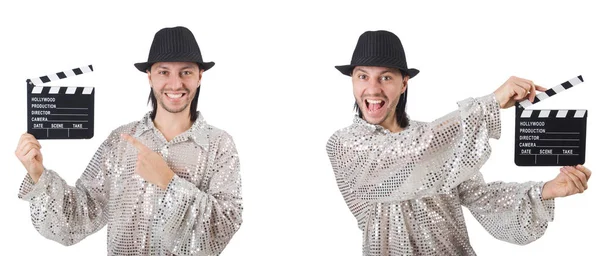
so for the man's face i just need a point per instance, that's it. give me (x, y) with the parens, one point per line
(174, 84)
(377, 91)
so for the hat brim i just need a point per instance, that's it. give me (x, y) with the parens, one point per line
(144, 66)
(347, 69)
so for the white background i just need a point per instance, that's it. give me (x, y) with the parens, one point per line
(275, 90)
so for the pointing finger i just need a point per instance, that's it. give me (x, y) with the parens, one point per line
(134, 142)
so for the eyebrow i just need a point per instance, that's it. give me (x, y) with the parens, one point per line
(188, 67)
(390, 70)
(360, 69)
(185, 67)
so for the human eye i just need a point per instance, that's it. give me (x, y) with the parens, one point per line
(186, 73)
(362, 76)
(163, 72)
(386, 78)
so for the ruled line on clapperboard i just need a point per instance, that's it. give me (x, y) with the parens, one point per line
(44, 100)
(549, 114)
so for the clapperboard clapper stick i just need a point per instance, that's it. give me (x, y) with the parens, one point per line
(55, 112)
(550, 137)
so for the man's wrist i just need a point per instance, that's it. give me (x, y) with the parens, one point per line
(35, 177)
(167, 179)
(546, 195)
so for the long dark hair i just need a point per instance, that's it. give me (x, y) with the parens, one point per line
(401, 117)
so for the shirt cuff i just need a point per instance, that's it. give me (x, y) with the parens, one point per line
(543, 208)
(491, 115)
(29, 189)
(178, 188)
(179, 194)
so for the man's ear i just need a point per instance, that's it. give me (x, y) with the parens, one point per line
(149, 77)
(404, 83)
(200, 76)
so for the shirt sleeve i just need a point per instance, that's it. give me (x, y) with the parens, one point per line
(193, 220)
(64, 213)
(346, 184)
(431, 159)
(511, 212)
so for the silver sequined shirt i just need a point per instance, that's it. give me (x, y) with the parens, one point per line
(197, 214)
(406, 189)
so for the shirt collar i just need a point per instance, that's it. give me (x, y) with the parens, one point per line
(197, 133)
(365, 125)
(374, 127)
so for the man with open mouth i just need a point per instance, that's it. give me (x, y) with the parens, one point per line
(405, 180)
(168, 184)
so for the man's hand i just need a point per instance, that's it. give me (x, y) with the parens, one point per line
(571, 180)
(516, 89)
(150, 165)
(28, 152)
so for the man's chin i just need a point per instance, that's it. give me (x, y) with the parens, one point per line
(373, 120)
(175, 110)
(375, 117)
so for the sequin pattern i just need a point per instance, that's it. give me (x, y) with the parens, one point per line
(197, 214)
(406, 189)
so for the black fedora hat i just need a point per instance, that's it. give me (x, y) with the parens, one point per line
(176, 44)
(378, 48)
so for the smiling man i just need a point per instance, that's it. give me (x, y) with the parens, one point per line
(405, 180)
(168, 184)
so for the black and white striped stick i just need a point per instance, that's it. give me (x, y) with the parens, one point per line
(551, 92)
(61, 75)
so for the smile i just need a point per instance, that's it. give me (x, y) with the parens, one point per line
(175, 95)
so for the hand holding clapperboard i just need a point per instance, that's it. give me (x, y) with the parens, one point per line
(550, 137)
(60, 112)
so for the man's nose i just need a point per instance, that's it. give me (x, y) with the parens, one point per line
(374, 86)
(175, 82)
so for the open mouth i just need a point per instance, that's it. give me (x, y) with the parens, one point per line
(374, 105)
(175, 96)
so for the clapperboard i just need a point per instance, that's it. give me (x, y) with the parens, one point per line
(550, 137)
(55, 112)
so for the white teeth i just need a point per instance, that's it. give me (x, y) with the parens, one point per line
(174, 96)
(374, 101)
